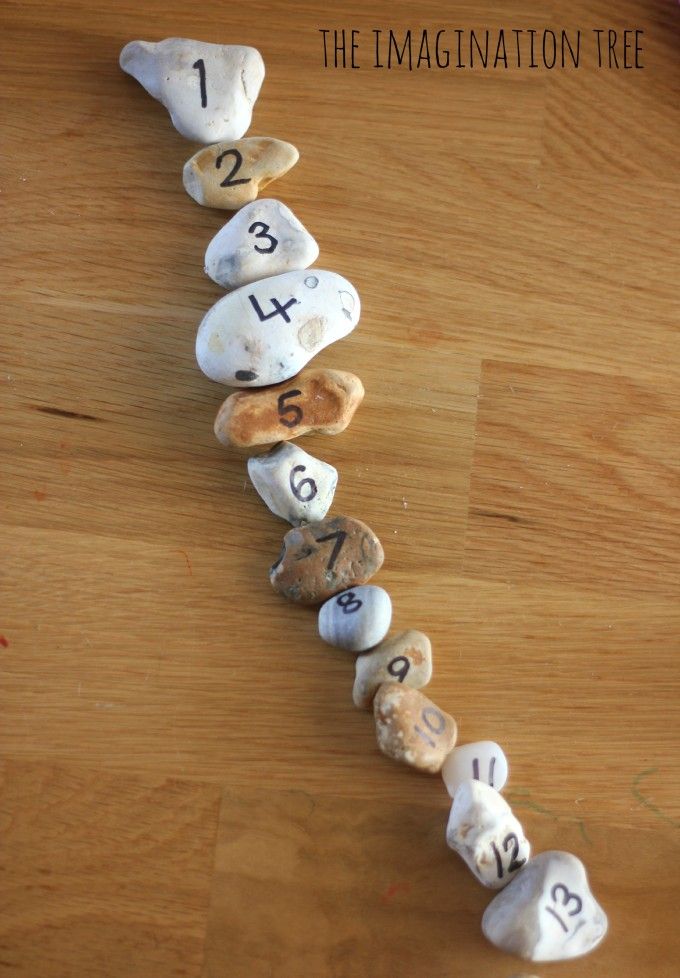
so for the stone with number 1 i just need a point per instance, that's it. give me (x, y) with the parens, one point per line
(357, 619)
(293, 484)
(231, 174)
(411, 729)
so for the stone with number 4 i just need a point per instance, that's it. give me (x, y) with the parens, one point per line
(483, 761)
(485, 833)
(231, 174)
(411, 729)
(265, 238)
(208, 89)
(357, 619)
(548, 912)
(317, 401)
(266, 332)
(406, 658)
(293, 484)
(322, 558)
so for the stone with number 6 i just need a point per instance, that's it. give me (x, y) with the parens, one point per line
(265, 238)
(405, 658)
(548, 912)
(231, 174)
(294, 485)
(357, 619)
(485, 833)
(411, 729)
(266, 332)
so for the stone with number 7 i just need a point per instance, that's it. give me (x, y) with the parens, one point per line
(411, 728)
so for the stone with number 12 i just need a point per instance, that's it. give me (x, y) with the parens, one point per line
(208, 89)
(357, 619)
(264, 238)
(231, 174)
(266, 332)
(405, 658)
(483, 761)
(294, 485)
(411, 729)
(548, 912)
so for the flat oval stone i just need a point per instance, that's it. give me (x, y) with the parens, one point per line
(263, 239)
(411, 729)
(322, 558)
(266, 332)
(406, 658)
(483, 761)
(485, 833)
(547, 913)
(231, 173)
(294, 485)
(317, 401)
(357, 619)
(208, 89)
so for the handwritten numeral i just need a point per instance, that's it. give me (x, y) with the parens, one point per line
(349, 602)
(238, 161)
(297, 488)
(290, 415)
(567, 898)
(263, 233)
(339, 537)
(200, 67)
(278, 310)
(399, 668)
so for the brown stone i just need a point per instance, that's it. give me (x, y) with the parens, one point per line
(316, 401)
(247, 165)
(405, 658)
(410, 728)
(325, 557)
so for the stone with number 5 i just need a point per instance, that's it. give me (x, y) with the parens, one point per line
(548, 912)
(357, 619)
(208, 89)
(266, 332)
(294, 485)
(264, 238)
(231, 174)
(485, 833)
(405, 658)
(411, 729)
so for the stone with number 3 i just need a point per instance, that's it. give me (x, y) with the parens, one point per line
(264, 238)
(411, 729)
(548, 912)
(231, 174)
(293, 484)
(485, 833)
(208, 89)
(357, 619)
(266, 332)
(405, 658)
(483, 761)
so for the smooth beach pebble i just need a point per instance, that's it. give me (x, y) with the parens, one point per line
(232, 173)
(263, 239)
(406, 658)
(266, 332)
(547, 913)
(357, 619)
(320, 559)
(315, 402)
(293, 484)
(485, 833)
(208, 89)
(483, 761)
(410, 728)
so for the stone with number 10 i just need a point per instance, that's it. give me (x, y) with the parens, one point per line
(266, 332)
(485, 833)
(293, 484)
(208, 89)
(548, 912)
(357, 619)
(483, 761)
(231, 174)
(405, 658)
(411, 729)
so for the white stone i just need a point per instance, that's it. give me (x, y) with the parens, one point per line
(485, 833)
(263, 239)
(357, 619)
(293, 484)
(208, 89)
(266, 332)
(547, 913)
(483, 761)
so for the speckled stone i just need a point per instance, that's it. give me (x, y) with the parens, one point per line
(317, 401)
(483, 761)
(231, 173)
(486, 835)
(406, 658)
(411, 729)
(294, 484)
(547, 912)
(325, 557)
(357, 619)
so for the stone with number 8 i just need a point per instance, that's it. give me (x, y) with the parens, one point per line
(485, 833)
(548, 912)
(411, 729)
(294, 485)
(265, 238)
(231, 174)
(357, 619)
(405, 658)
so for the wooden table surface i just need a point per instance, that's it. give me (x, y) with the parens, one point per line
(187, 788)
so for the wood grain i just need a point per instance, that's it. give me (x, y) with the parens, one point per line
(514, 238)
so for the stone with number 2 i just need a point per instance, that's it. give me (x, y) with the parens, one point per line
(231, 174)
(411, 729)
(293, 484)
(357, 619)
